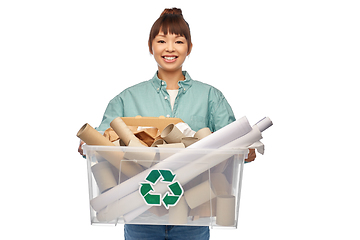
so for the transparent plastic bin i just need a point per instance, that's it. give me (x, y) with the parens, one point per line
(164, 186)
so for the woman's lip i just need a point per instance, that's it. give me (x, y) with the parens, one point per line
(169, 59)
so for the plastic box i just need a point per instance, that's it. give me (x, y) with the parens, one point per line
(169, 186)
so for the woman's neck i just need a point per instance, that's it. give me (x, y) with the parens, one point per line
(171, 78)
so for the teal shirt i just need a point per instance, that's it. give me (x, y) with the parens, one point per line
(197, 104)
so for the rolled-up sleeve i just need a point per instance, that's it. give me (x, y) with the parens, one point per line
(221, 113)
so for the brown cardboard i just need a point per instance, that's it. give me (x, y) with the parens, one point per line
(158, 122)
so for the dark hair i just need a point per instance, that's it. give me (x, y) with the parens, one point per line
(170, 21)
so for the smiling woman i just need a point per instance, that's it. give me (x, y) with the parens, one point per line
(171, 93)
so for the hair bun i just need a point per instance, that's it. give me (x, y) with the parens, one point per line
(174, 11)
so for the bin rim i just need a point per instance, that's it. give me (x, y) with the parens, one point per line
(234, 151)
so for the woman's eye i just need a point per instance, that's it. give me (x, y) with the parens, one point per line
(161, 41)
(179, 42)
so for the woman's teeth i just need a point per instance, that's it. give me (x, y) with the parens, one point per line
(169, 58)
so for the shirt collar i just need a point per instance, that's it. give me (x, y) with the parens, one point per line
(159, 84)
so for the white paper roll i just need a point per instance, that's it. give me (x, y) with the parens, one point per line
(103, 176)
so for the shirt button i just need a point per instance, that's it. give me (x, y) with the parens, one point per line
(162, 83)
(158, 89)
(184, 89)
(165, 97)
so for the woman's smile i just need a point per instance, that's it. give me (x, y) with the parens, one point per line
(169, 58)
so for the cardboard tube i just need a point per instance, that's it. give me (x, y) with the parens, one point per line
(146, 158)
(225, 210)
(178, 214)
(166, 154)
(199, 194)
(219, 184)
(103, 176)
(92, 137)
(123, 131)
(204, 210)
(171, 145)
(187, 141)
(204, 132)
(171, 134)
(158, 142)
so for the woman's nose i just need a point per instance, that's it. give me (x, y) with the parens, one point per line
(170, 47)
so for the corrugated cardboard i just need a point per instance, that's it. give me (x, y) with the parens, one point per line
(158, 122)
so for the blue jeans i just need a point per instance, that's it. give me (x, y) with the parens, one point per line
(168, 232)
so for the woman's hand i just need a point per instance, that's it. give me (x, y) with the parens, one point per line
(80, 150)
(251, 155)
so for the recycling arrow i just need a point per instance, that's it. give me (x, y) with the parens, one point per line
(176, 189)
(145, 188)
(153, 176)
(153, 199)
(171, 197)
(170, 200)
(167, 175)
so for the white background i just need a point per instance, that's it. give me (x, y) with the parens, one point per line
(294, 61)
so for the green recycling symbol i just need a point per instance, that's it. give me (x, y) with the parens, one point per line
(170, 198)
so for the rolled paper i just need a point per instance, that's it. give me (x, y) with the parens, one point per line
(204, 132)
(178, 214)
(217, 139)
(171, 134)
(92, 137)
(185, 129)
(187, 141)
(199, 194)
(146, 158)
(264, 124)
(103, 176)
(225, 210)
(123, 131)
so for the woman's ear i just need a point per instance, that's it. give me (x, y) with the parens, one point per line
(190, 48)
(150, 49)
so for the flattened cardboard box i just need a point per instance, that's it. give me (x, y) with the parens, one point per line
(158, 122)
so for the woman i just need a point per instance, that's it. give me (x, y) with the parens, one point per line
(171, 93)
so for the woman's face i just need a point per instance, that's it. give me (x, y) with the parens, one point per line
(170, 51)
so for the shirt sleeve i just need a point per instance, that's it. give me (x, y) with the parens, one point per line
(114, 109)
(221, 113)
